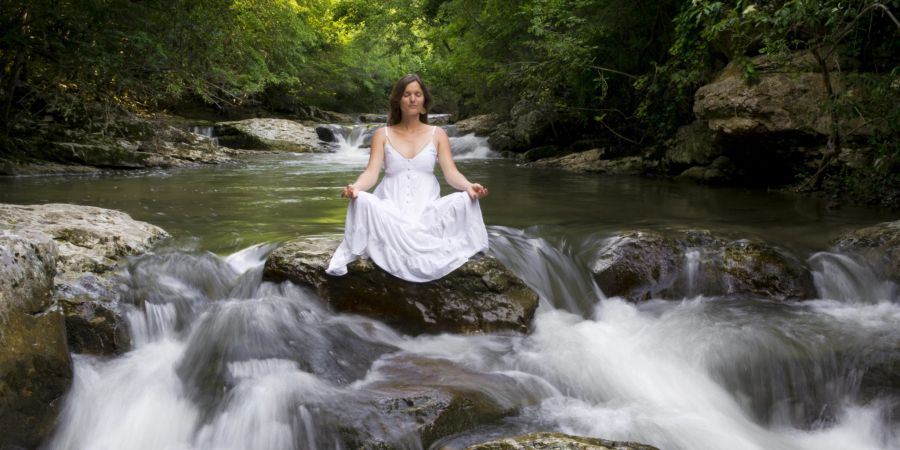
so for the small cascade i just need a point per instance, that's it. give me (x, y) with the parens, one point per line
(207, 131)
(840, 277)
(152, 323)
(352, 139)
(471, 147)
(691, 271)
(549, 270)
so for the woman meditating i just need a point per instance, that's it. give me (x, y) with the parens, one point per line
(405, 226)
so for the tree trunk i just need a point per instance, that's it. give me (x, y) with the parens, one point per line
(833, 146)
(9, 90)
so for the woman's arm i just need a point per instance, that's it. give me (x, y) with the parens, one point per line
(369, 176)
(453, 176)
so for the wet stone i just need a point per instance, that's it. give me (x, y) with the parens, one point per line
(640, 265)
(482, 296)
(557, 441)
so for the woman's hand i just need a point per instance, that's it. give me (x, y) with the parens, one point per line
(477, 191)
(350, 191)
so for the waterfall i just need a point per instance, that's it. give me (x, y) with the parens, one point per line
(550, 271)
(207, 131)
(352, 139)
(225, 360)
(840, 277)
(352, 142)
(471, 147)
(691, 271)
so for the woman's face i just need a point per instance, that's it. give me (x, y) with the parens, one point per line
(413, 99)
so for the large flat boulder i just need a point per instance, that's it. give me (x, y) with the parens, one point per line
(557, 441)
(268, 134)
(639, 265)
(89, 243)
(482, 296)
(35, 367)
(89, 239)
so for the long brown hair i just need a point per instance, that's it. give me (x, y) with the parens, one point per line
(394, 113)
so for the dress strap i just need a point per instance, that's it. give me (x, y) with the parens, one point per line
(387, 137)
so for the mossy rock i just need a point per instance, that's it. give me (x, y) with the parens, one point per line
(557, 441)
(878, 246)
(35, 367)
(481, 296)
(95, 327)
(639, 265)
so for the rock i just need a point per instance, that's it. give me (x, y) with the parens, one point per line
(90, 242)
(759, 269)
(373, 118)
(95, 327)
(557, 441)
(777, 103)
(722, 170)
(12, 167)
(529, 126)
(35, 367)
(479, 297)
(324, 116)
(90, 239)
(547, 151)
(130, 143)
(592, 161)
(694, 144)
(268, 134)
(482, 125)
(636, 265)
(786, 97)
(703, 174)
(878, 246)
(439, 119)
(325, 133)
(50, 255)
(641, 265)
(882, 375)
(444, 399)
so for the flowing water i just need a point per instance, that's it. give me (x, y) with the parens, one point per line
(224, 360)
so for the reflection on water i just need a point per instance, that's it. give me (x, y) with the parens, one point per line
(280, 196)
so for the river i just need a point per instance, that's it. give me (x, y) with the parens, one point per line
(694, 373)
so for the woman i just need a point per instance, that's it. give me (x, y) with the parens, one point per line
(405, 226)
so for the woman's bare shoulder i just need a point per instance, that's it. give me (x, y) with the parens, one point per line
(380, 132)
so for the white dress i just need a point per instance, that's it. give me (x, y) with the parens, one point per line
(406, 227)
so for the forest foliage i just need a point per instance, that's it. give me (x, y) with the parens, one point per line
(624, 69)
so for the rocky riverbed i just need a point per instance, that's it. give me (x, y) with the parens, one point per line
(66, 270)
(57, 294)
